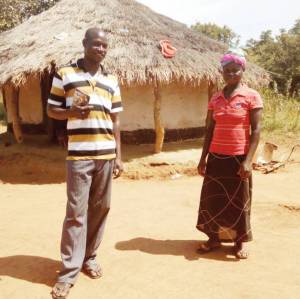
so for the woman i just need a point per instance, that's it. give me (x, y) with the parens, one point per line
(233, 130)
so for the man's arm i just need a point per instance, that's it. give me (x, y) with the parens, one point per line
(118, 166)
(57, 112)
(63, 113)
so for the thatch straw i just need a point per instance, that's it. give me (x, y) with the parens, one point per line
(134, 31)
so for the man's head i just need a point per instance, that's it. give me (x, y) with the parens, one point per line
(95, 44)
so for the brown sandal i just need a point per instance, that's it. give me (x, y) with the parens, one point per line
(240, 252)
(93, 272)
(208, 246)
(61, 290)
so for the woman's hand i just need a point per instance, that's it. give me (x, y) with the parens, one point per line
(202, 167)
(245, 170)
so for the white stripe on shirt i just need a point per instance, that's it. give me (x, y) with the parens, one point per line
(54, 102)
(76, 77)
(99, 100)
(115, 110)
(89, 123)
(58, 83)
(91, 146)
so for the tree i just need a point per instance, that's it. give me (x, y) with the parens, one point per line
(14, 12)
(280, 55)
(223, 34)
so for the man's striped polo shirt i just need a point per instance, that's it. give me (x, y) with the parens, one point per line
(92, 137)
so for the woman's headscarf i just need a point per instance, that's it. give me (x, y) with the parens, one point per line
(234, 55)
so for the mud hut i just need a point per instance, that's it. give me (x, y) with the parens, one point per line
(163, 98)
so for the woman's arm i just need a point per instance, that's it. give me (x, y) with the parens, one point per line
(255, 121)
(210, 125)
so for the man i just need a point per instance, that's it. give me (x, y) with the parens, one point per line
(94, 155)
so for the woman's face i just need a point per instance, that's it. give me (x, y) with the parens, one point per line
(232, 73)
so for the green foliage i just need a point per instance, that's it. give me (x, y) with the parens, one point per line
(281, 113)
(280, 55)
(14, 12)
(223, 34)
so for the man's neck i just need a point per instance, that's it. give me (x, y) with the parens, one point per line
(91, 66)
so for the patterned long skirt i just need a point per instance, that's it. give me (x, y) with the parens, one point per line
(225, 202)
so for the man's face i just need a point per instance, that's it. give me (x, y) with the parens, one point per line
(232, 73)
(95, 47)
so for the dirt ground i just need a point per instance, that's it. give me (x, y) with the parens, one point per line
(149, 247)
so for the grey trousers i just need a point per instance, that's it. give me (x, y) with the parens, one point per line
(89, 192)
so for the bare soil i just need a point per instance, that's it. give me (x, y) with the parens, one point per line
(149, 248)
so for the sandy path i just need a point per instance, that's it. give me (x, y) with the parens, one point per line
(149, 245)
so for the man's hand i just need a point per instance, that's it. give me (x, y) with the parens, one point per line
(81, 112)
(118, 168)
(62, 140)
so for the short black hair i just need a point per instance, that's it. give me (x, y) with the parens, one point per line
(92, 32)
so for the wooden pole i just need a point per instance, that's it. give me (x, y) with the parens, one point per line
(210, 90)
(48, 123)
(159, 129)
(7, 136)
(45, 88)
(14, 108)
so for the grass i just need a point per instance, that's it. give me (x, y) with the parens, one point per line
(281, 113)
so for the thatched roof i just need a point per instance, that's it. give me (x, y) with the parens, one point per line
(134, 31)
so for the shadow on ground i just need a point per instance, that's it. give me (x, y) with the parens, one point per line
(33, 269)
(185, 248)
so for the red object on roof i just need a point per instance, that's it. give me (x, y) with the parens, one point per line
(167, 49)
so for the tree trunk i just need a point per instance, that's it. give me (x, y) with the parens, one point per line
(159, 129)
